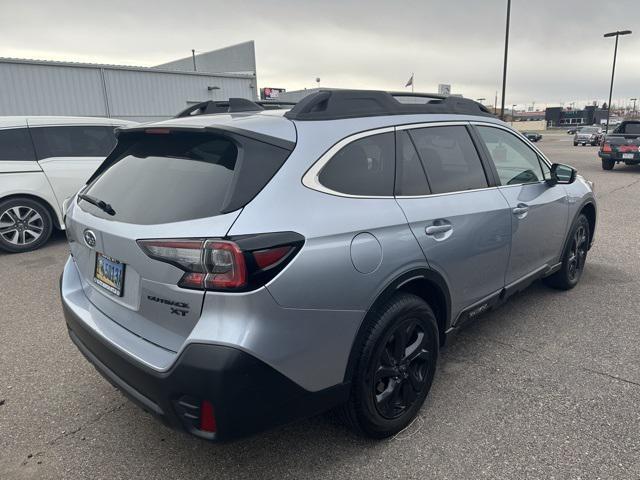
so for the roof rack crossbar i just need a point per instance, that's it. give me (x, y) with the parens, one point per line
(338, 104)
(233, 105)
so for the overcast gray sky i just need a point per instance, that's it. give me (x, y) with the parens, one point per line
(557, 52)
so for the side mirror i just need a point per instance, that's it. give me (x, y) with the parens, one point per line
(563, 174)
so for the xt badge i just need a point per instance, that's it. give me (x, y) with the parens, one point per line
(177, 308)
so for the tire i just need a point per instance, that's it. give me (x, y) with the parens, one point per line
(608, 164)
(575, 144)
(383, 407)
(32, 222)
(574, 257)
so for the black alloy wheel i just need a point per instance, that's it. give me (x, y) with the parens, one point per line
(401, 369)
(574, 257)
(396, 356)
(577, 253)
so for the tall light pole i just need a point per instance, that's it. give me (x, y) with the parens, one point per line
(506, 53)
(513, 112)
(613, 70)
(633, 112)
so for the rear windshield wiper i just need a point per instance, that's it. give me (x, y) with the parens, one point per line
(104, 206)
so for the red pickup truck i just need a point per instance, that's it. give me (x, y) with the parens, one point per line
(623, 145)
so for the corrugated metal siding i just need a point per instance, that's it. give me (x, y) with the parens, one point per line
(50, 90)
(152, 94)
(133, 94)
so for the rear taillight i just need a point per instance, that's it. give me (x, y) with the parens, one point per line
(606, 148)
(238, 264)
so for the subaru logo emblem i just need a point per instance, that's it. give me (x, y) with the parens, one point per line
(90, 238)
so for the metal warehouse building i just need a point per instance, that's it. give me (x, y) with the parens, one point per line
(36, 87)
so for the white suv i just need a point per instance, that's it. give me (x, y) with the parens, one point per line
(43, 161)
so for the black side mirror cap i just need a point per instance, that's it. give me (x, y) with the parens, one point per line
(562, 174)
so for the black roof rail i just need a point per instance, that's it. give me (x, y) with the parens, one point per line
(336, 104)
(233, 105)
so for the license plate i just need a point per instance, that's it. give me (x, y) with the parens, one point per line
(627, 156)
(109, 274)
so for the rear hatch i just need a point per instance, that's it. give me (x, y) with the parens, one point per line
(622, 146)
(161, 184)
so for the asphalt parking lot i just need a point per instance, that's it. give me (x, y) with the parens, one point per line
(547, 386)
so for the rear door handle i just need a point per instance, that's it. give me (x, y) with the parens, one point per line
(436, 229)
(521, 209)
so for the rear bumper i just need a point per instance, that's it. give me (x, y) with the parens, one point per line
(247, 394)
(617, 157)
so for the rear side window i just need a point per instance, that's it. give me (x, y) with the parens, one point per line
(364, 167)
(73, 141)
(631, 128)
(410, 176)
(450, 159)
(515, 162)
(15, 144)
(163, 178)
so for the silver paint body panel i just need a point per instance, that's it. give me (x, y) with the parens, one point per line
(304, 321)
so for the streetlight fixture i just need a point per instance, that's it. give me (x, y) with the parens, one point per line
(480, 100)
(613, 70)
(506, 52)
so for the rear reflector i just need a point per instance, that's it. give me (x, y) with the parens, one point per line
(267, 258)
(207, 417)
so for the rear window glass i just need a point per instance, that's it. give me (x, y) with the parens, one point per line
(632, 128)
(364, 167)
(15, 144)
(74, 141)
(183, 176)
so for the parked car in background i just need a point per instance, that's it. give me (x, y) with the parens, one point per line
(235, 271)
(588, 136)
(43, 161)
(573, 130)
(623, 145)
(532, 136)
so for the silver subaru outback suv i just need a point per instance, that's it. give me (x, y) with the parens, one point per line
(234, 271)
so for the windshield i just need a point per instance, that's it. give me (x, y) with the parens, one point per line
(588, 130)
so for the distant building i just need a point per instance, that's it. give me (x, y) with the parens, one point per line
(590, 115)
(528, 116)
(41, 87)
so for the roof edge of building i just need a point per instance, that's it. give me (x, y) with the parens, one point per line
(57, 63)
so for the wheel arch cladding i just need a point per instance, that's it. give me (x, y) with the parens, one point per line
(52, 212)
(589, 210)
(424, 283)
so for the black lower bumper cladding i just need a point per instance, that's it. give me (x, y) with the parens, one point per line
(247, 395)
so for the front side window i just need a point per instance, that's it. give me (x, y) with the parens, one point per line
(449, 158)
(515, 162)
(364, 167)
(15, 144)
(73, 141)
